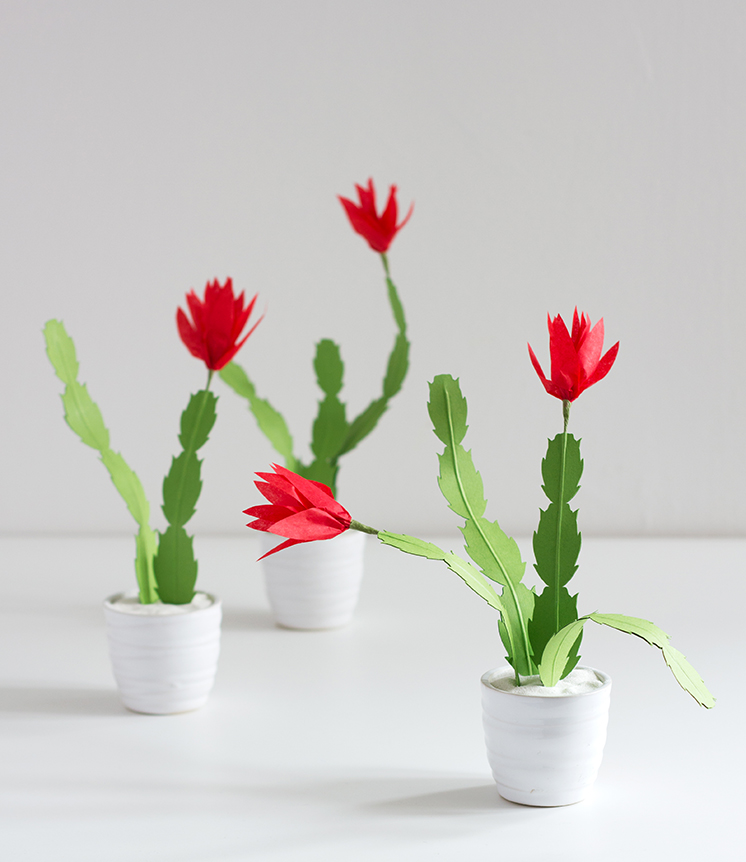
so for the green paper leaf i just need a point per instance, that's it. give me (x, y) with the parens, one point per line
(551, 469)
(491, 549)
(175, 567)
(411, 545)
(329, 367)
(61, 351)
(198, 420)
(556, 655)
(329, 428)
(84, 417)
(396, 307)
(270, 422)
(634, 626)
(687, 677)
(397, 367)
(129, 486)
(447, 410)
(363, 424)
(181, 489)
(557, 545)
(146, 548)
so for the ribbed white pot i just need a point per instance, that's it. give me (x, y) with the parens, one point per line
(315, 585)
(544, 751)
(164, 657)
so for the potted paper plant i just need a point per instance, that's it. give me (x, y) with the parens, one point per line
(164, 637)
(317, 586)
(544, 715)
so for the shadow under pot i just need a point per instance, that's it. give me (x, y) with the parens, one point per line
(164, 657)
(314, 585)
(545, 745)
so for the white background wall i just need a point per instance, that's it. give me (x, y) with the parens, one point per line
(559, 153)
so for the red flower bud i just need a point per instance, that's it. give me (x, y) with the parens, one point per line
(300, 509)
(576, 359)
(379, 231)
(218, 321)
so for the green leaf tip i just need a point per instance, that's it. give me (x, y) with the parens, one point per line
(329, 367)
(447, 409)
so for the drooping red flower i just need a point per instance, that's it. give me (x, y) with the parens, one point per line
(379, 231)
(218, 322)
(300, 509)
(576, 359)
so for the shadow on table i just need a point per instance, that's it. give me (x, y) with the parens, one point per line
(453, 801)
(17, 700)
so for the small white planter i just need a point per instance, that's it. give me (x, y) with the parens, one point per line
(164, 657)
(544, 750)
(315, 585)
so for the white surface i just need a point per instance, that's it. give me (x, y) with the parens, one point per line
(558, 153)
(363, 743)
(546, 751)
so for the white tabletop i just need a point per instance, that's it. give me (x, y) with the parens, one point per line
(363, 743)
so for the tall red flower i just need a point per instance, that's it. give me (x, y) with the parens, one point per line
(576, 359)
(379, 231)
(217, 324)
(300, 509)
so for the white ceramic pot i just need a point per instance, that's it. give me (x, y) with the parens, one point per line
(544, 750)
(315, 585)
(164, 657)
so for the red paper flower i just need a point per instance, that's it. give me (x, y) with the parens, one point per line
(301, 510)
(218, 321)
(576, 359)
(379, 231)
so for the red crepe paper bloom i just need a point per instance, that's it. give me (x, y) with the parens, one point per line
(218, 321)
(379, 231)
(576, 359)
(300, 509)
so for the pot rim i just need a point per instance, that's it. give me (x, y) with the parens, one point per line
(508, 670)
(110, 603)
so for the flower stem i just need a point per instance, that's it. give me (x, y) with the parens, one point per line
(363, 528)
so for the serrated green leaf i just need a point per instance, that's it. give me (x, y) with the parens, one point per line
(329, 367)
(181, 489)
(412, 545)
(557, 651)
(61, 351)
(396, 306)
(397, 367)
(330, 428)
(270, 422)
(129, 486)
(84, 417)
(198, 420)
(561, 489)
(363, 424)
(687, 677)
(683, 672)
(175, 567)
(460, 483)
(551, 614)
(493, 551)
(634, 626)
(447, 409)
(555, 569)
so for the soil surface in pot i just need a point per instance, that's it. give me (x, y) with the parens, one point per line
(578, 681)
(129, 603)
